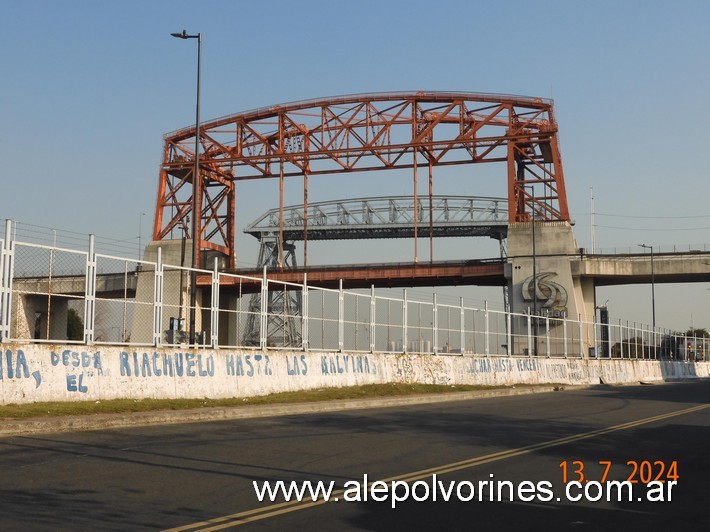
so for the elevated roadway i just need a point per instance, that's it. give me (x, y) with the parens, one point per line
(603, 270)
(487, 272)
(679, 267)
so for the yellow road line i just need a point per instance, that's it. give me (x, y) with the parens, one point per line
(240, 518)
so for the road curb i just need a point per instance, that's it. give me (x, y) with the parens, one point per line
(88, 422)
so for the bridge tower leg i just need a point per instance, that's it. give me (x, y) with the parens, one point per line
(558, 290)
(284, 307)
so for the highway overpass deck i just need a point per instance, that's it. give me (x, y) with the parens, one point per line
(676, 267)
(605, 270)
(486, 272)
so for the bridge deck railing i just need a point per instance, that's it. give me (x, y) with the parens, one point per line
(57, 295)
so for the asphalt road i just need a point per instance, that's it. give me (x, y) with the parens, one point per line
(200, 476)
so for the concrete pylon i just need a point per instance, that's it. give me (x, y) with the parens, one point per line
(176, 293)
(561, 292)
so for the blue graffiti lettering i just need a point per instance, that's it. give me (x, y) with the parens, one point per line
(346, 364)
(74, 386)
(145, 366)
(168, 369)
(202, 372)
(525, 364)
(15, 365)
(74, 359)
(480, 366)
(242, 365)
(298, 367)
(190, 363)
(124, 365)
(179, 364)
(156, 369)
(176, 364)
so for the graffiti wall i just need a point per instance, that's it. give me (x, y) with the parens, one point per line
(34, 373)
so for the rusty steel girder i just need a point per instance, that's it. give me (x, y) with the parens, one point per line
(358, 133)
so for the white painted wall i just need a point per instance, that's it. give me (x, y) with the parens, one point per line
(36, 372)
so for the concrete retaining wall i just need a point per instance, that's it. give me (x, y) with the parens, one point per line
(34, 372)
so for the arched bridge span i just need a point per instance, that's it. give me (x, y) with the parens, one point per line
(415, 130)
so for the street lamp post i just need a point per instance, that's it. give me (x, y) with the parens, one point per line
(140, 233)
(196, 189)
(653, 287)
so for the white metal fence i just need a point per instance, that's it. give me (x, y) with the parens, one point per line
(51, 294)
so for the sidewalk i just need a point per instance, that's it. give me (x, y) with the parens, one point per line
(43, 425)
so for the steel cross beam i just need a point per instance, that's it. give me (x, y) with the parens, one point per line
(360, 133)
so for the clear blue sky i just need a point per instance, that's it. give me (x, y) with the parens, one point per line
(89, 88)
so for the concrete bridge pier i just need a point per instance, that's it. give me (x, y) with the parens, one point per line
(176, 294)
(38, 317)
(559, 291)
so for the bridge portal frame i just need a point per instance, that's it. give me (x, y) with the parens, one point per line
(355, 133)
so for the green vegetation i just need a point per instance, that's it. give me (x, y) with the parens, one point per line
(123, 406)
(75, 326)
(695, 333)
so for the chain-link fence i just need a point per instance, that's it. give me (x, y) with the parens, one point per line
(50, 303)
(324, 310)
(52, 294)
(120, 316)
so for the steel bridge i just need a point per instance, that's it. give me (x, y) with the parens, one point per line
(378, 217)
(368, 218)
(346, 134)
(388, 217)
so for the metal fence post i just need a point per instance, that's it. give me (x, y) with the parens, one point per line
(214, 314)
(509, 332)
(581, 340)
(373, 308)
(435, 326)
(90, 294)
(6, 267)
(530, 342)
(564, 335)
(462, 327)
(547, 333)
(263, 318)
(341, 316)
(487, 330)
(404, 322)
(158, 300)
(305, 344)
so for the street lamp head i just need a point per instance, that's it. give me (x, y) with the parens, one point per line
(185, 35)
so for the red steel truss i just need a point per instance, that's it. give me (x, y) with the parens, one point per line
(416, 130)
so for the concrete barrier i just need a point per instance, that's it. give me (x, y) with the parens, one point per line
(37, 372)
